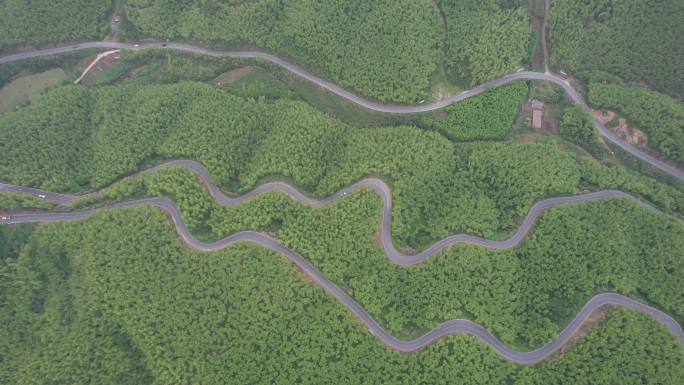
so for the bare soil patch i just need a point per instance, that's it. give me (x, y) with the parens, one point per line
(202, 183)
(377, 238)
(529, 138)
(593, 320)
(550, 124)
(631, 135)
(441, 115)
(233, 75)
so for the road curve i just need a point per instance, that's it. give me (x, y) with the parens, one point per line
(376, 184)
(459, 326)
(401, 109)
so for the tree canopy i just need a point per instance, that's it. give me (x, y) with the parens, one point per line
(484, 40)
(339, 240)
(47, 21)
(118, 299)
(385, 50)
(76, 139)
(636, 40)
(488, 116)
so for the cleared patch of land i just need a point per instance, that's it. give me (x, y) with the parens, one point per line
(233, 75)
(27, 89)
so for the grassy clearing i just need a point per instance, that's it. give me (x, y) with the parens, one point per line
(257, 83)
(27, 89)
(114, 72)
(233, 75)
(441, 87)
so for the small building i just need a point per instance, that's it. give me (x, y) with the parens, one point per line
(537, 113)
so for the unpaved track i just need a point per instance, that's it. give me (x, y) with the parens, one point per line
(458, 326)
(400, 109)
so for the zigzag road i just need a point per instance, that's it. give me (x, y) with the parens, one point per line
(401, 109)
(459, 326)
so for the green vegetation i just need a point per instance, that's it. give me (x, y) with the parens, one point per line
(48, 141)
(484, 39)
(577, 126)
(43, 21)
(27, 89)
(163, 66)
(77, 138)
(118, 299)
(488, 116)
(257, 83)
(11, 201)
(384, 49)
(659, 116)
(71, 63)
(588, 255)
(109, 75)
(636, 40)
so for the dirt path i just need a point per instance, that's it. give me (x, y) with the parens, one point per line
(547, 6)
(97, 59)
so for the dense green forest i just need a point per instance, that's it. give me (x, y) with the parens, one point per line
(484, 39)
(578, 126)
(659, 116)
(385, 49)
(45, 21)
(488, 116)
(77, 138)
(587, 255)
(636, 40)
(118, 299)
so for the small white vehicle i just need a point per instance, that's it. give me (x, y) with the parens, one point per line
(136, 45)
(5, 218)
(41, 196)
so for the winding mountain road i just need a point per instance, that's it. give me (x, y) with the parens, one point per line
(459, 326)
(400, 109)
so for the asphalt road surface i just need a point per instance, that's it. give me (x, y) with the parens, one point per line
(458, 326)
(609, 135)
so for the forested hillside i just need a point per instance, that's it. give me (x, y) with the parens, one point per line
(587, 255)
(484, 39)
(118, 299)
(636, 40)
(659, 116)
(77, 138)
(487, 116)
(384, 49)
(47, 21)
